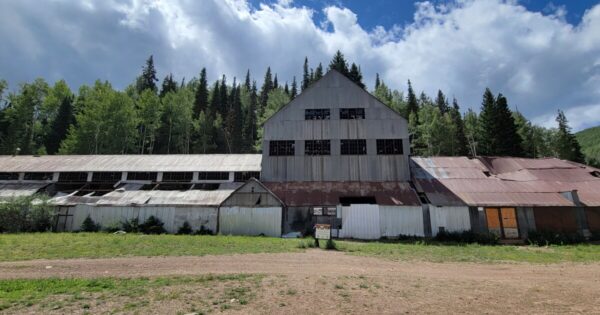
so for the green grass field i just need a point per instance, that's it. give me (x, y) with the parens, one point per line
(14, 247)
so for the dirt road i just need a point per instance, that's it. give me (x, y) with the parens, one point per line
(334, 282)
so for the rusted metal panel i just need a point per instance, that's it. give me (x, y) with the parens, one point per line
(132, 163)
(296, 194)
(555, 219)
(593, 219)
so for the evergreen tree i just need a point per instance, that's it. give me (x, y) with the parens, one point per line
(441, 102)
(567, 147)
(149, 114)
(377, 82)
(318, 73)
(488, 125)
(177, 125)
(201, 98)
(60, 125)
(247, 83)
(276, 99)
(267, 87)
(460, 146)
(224, 98)
(275, 82)
(235, 122)
(471, 125)
(148, 78)
(305, 75)
(339, 63)
(286, 89)
(294, 90)
(215, 101)
(250, 121)
(355, 75)
(411, 103)
(168, 85)
(507, 139)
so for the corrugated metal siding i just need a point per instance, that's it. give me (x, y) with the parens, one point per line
(593, 219)
(172, 217)
(395, 221)
(453, 219)
(561, 219)
(250, 221)
(360, 222)
(131, 163)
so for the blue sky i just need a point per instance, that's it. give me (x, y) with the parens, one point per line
(543, 55)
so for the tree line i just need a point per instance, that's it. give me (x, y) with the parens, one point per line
(226, 117)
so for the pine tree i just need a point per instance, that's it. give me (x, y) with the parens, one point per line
(148, 78)
(412, 104)
(250, 121)
(215, 101)
(567, 146)
(201, 97)
(60, 126)
(264, 91)
(224, 98)
(305, 75)
(460, 140)
(377, 82)
(247, 81)
(168, 85)
(441, 102)
(234, 121)
(488, 125)
(294, 90)
(286, 89)
(471, 127)
(275, 82)
(339, 63)
(355, 75)
(507, 138)
(318, 73)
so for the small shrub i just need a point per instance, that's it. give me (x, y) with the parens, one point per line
(89, 225)
(330, 245)
(544, 238)
(152, 225)
(131, 226)
(409, 238)
(204, 231)
(26, 214)
(113, 227)
(186, 228)
(467, 237)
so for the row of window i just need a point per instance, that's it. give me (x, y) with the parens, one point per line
(325, 113)
(323, 147)
(113, 177)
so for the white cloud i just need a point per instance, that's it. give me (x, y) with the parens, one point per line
(538, 60)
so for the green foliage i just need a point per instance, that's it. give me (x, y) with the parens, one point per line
(132, 226)
(497, 128)
(26, 214)
(186, 228)
(152, 225)
(567, 146)
(148, 79)
(89, 225)
(589, 139)
(545, 238)
(467, 237)
(176, 123)
(330, 245)
(204, 231)
(59, 101)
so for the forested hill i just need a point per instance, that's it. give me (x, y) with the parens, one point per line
(589, 139)
(179, 116)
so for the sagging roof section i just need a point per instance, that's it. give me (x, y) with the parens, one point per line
(298, 194)
(19, 190)
(504, 181)
(132, 163)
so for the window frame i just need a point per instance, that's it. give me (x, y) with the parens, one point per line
(172, 177)
(389, 146)
(282, 148)
(353, 147)
(142, 176)
(317, 114)
(220, 176)
(352, 113)
(317, 147)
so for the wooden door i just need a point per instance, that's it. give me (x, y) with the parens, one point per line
(493, 221)
(509, 222)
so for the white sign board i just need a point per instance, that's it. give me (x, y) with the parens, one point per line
(323, 231)
(317, 211)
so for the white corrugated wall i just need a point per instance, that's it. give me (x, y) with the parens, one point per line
(453, 219)
(250, 221)
(172, 217)
(360, 222)
(401, 220)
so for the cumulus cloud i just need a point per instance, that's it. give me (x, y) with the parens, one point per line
(538, 60)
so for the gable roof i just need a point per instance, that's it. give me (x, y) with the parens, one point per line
(338, 74)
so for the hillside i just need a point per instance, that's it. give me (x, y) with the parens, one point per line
(589, 139)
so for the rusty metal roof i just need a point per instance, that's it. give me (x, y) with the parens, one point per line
(497, 181)
(297, 194)
(132, 163)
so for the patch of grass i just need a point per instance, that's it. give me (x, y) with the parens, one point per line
(28, 246)
(54, 293)
(472, 252)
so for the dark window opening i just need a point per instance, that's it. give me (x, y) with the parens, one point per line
(389, 146)
(72, 177)
(181, 187)
(9, 176)
(354, 147)
(206, 186)
(423, 197)
(38, 176)
(281, 147)
(95, 189)
(317, 114)
(487, 173)
(151, 176)
(106, 177)
(317, 147)
(244, 176)
(177, 176)
(352, 113)
(347, 201)
(213, 175)
(148, 187)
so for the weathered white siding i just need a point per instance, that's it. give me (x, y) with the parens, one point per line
(360, 222)
(172, 217)
(250, 221)
(453, 219)
(401, 220)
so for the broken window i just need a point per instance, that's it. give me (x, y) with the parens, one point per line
(151, 176)
(317, 147)
(353, 147)
(38, 176)
(70, 177)
(9, 176)
(244, 176)
(177, 176)
(213, 175)
(389, 146)
(317, 114)
(352, 113)
(281, 147)
(106, 177)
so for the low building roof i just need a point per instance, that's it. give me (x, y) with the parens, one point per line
(298, 194)
(504, 181)
(19, 190)
(132, 163)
